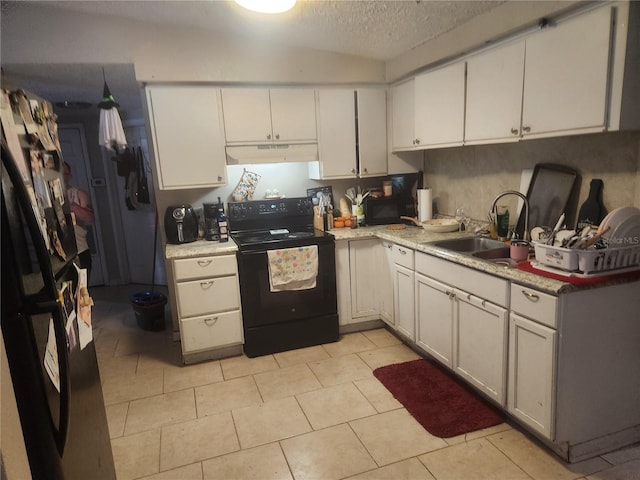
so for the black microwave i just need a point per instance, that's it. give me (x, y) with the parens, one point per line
(386, 210)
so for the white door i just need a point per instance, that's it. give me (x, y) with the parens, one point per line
(565, 81)
(434, 318)
(403, 301)
(293, 114)
(337, 133)
(439, 106)
(74, 152)
(402, 116)
(480, 344)
(494, 95)
(372, 131)
(247, 114)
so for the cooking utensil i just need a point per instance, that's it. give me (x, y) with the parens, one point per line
(552, 236)
(412, 219)
(593, 240)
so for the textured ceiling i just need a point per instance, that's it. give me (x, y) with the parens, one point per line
(368, 28)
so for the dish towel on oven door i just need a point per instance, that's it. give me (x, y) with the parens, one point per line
(293, 268)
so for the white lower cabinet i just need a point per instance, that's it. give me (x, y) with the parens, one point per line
(480, 344)
(434, 318)
(403, 290)
(208, 302)
(532, 358)
(531, 369)
(385, 282)
(460, 328)
(356, 268)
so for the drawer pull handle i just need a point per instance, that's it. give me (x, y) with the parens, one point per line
(204, 263)
(530, 296)
(205, 285)
(402, 252)
(210, 321)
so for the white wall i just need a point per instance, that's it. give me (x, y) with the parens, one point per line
(46, 35)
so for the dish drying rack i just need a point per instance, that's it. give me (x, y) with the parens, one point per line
(588, 263)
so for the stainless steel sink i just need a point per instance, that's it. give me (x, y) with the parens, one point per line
(493, 254)
(471, 245)
(493, 251)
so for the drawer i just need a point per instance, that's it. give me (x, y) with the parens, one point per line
(533, 304)
(211, 331)
(204, 267)
(483, 285)
(209, 295)
(402, 256)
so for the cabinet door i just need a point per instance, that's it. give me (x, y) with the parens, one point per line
(480, 344)
(337, 133)
(293, 114)
(403, 301)
(532, 363)
(439, 106)
(372, 131)
(211, 331)
(434, 318)
(200, 297)
(385, 283)
(362, 261)
(494, 95)
(186, 132)
(247, 115)
(343, 281)
(402, 116)
(566, 71)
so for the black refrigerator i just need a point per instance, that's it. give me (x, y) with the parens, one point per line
(47, 333)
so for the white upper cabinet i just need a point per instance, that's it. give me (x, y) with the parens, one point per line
(372, 131)
(185, 125)
(566, 73)
(402, 116)
(260, 115)
(439, 106)
(336, 134)
(352, 133)
(494, 95)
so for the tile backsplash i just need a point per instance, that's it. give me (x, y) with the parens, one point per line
(471, 176)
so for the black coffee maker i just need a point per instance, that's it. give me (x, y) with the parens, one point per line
(211, 229)
(181, 224)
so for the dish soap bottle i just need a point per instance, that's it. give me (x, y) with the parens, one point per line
(592, 210)
(223, 225)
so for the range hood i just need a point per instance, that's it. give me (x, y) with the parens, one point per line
(272, 153)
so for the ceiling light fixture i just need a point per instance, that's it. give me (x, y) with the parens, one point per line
(267, 6)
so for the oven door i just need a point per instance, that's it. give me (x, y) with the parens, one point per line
(261, 306)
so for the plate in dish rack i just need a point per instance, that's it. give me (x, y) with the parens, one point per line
(441, 225)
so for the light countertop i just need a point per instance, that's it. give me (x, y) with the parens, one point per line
(415, 238)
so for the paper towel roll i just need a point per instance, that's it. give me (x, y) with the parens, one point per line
(424, 204)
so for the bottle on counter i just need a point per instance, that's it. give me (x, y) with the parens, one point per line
(223, 224)
(211, 230)
(592, 210)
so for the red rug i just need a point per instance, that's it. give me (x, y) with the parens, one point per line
(443, 405)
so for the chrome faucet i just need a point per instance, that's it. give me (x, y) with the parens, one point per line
(526, 209)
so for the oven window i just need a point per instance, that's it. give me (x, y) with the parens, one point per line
(261, 306)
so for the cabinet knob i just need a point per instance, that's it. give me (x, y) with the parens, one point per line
(514, 131)
(353, 170)
(204, 263)
(210, 321)
(366, 171)
(277, 136)
(219, 178)
(416, 141)
(206, 285)
(530, 296)
(526, 129)
(268, 136)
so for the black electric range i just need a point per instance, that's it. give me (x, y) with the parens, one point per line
(276, 321)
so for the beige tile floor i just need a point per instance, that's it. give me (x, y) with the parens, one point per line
(313, 413)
